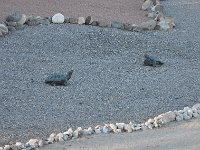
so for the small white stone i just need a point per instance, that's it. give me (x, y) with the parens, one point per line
(18, 144)
(113, 127)
(23, 19)
(7, 147)
(195, 115)
(197, 106)
(120, 125)
(53, 135)
(81, 20)
(97, 131)
(147, 123)
(186, 117)
(181, 111)
(3, 29)
(138, 127)
(151, 121)
(1, 148)
(65, 137)
(90, 130)
(86, 132)
(150, 126)
(59, 137)
(75, 134)
(118, 131)
(50, 140)
(33, 143)
(179, 118)
(189, 113)
(128, 128)
(105, 129)
(40, 143)
(186, 108)
(58, 18)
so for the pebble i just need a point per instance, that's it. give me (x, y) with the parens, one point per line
(14, 16)
(112, 126)
(147, 5)
(1, 148)
(73, 20)
(40, 143)
(128, 27)
(88, 20)
(22, 20)
(19, 145)
(151, 121)
(58, 18)
(118, 25)
(33, 142)
(197, 106)
(7, 147)
(128, 128)
(186, 117)
(3, 29)
(95, 23)
(75, 134)
(81, 20)
(120, 125)
(50, 140)
(59, 137)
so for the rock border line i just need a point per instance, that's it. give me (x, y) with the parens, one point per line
(154, 11)
(158, 21)
(156, 122)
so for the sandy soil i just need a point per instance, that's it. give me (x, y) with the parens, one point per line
(175, 136)
(125, 11)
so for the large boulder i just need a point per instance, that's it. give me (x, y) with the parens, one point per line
(58, 18)
(3, 30)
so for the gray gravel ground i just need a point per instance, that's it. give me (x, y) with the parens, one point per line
(109, 81)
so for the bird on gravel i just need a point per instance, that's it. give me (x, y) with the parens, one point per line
(58, 79)
(152, 61)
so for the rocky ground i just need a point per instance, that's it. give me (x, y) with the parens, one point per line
(109, 81)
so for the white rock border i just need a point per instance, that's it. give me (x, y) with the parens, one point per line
(156, 122)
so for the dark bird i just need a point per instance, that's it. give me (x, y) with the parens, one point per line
(58, 79)
(152, 61)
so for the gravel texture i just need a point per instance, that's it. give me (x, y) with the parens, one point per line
(109, 82)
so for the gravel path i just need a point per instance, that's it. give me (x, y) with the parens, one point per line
(109, 81)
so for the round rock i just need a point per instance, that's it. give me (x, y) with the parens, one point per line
(14, 16)
(58, 18)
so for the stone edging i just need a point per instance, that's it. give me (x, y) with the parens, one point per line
(154, 11)
(162, 119)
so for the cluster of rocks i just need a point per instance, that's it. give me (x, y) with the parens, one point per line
(160, 120)
(158, 21)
